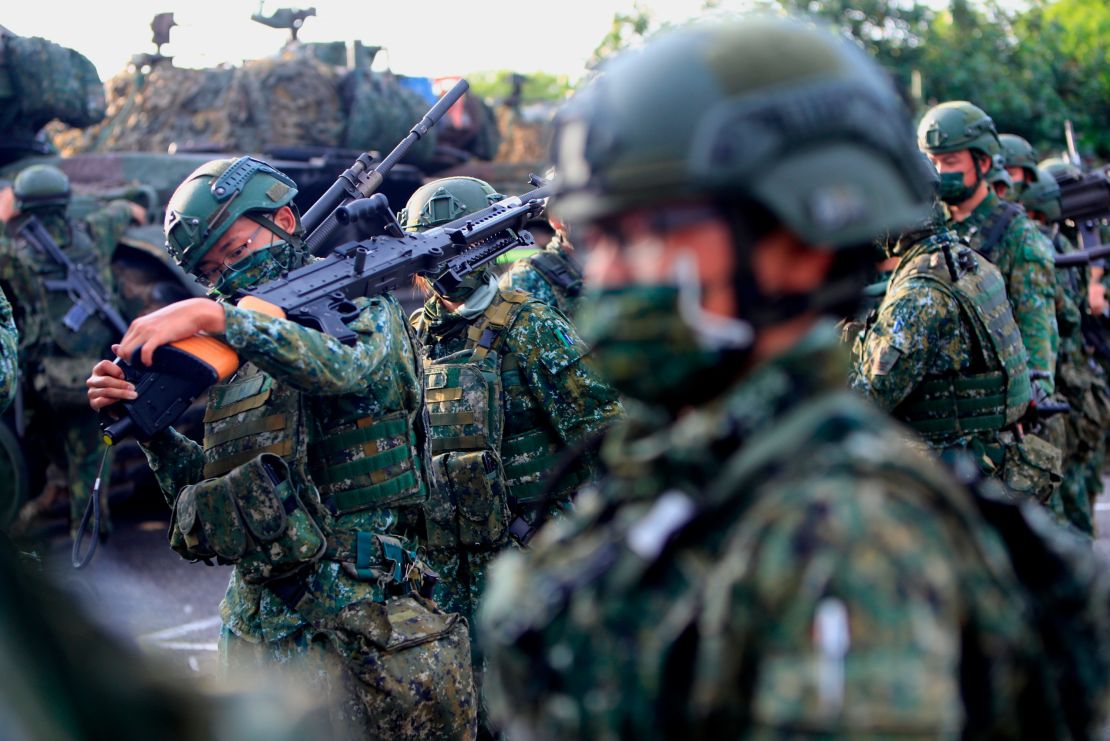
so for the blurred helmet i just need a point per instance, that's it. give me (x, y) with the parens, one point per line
(214, 196)
(765, 110)
(955, 126)
(1060, 168)
(997, 175)
(442, 201)
(40, 186)
(1042, 194)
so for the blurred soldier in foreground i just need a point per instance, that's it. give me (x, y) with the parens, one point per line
(766, 556)
(307, 474)
(56, 354)
(1079, 380)
(552, 275)
(944, 355)
(506, 393)
(9, 353)
(962, 142)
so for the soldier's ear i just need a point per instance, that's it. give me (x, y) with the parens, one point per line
(285, 219)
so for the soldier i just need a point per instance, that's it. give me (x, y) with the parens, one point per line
(1080, 381)
(1021, 162)
(943, 355)
(329, 430)
(56, 358)
(766, 557)
(999, 178)
(506, 393)
(552, 275)
(9, 353)
(961, 141)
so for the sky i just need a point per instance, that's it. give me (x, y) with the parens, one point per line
(432, 38)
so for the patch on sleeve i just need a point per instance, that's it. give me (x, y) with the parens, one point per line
(882, 362)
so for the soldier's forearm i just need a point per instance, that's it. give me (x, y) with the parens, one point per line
(175, 460)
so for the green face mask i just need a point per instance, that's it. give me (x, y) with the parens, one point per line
(258, 267)
(952, 187)
(645, 346)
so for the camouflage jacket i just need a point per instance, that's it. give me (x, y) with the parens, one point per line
(323, 371)
(1024, 257)
(778, 561)
(1071, 295)
(38, 311)
(9, 354)
(551, 275)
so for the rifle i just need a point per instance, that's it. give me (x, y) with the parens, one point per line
(321, 296)
(81, 282)
(1082, 257)
(362, 179)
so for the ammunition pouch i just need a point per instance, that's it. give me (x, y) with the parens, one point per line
(412, 665)
(61, 382)
(1031, 467)
(252, 517)
(469, 506)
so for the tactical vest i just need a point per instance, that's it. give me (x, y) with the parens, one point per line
(94, 337)
(995, 392)
(489, 441)
(250, 415)
(360, 460)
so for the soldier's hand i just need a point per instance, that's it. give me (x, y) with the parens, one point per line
(107, 385)
(1096, 298)
(170, 324)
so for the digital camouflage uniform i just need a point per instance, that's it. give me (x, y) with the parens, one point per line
(552, 275)
(326, 432)
(943, 355)
(55, 359)
(1024, 257)
(778, 562)
(9, 353)
(765, 557)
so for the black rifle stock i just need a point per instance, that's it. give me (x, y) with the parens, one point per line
(362, 179)
(81, 282)
(1085, 200)
(321, 296)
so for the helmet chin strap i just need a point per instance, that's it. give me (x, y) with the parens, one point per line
(713, 331)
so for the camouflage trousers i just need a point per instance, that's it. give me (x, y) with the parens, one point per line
(377, 672)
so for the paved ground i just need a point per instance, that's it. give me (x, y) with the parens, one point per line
(143, 591)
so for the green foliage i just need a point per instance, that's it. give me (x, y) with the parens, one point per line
(1031, 68)
(538, 86)
(626, 30)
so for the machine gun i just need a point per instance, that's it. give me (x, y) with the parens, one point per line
(290, 18)
(362, 179)
(1085, 200)
(321, 296)
(81, 282)
(1082, 257)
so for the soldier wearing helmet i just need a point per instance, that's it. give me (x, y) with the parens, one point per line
(330, 430)
(962, 142)
(1020, 161)
(507, 391)
(752, 564)
(1081, 383)
(55, 358)
(552, 275)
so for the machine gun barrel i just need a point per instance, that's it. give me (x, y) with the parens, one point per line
(362, 179)
(1082, 257)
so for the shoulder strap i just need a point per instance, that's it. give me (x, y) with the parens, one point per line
(486, 334)
(1000, 221)
(557, 270)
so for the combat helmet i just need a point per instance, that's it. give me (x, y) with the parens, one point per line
(1060, 168)
(215, 195)
(1018, 152)
(998, 177)
(958, 125)
(40, 186)
(1042, 195)
(766, 110)
(442, 201)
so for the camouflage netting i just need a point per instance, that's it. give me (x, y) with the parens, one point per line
(291, 101)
